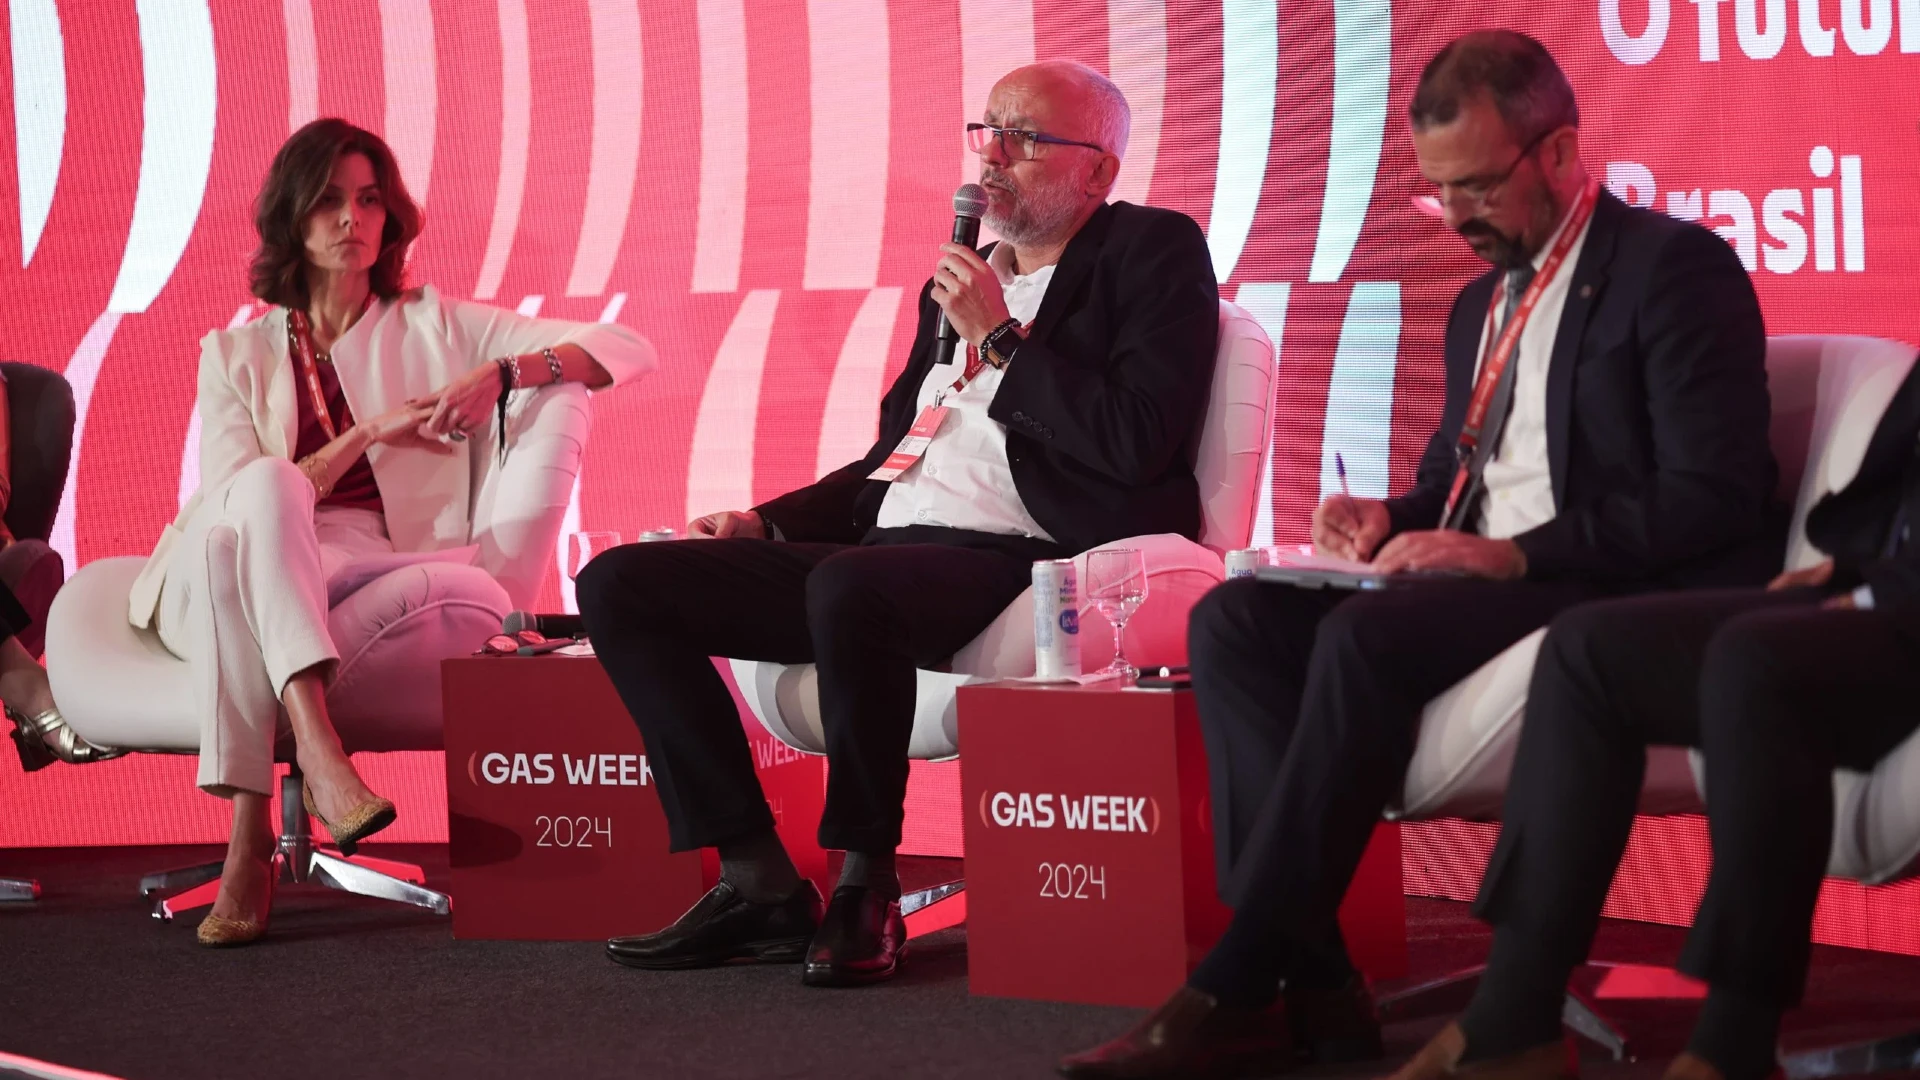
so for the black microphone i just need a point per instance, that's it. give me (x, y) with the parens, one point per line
(969, 202)
(548, 626)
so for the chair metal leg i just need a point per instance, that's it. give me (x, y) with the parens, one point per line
(299, 861)
(346, 875)
(1450, 994)
(935, 908)
(1586, 1020)
(1897, 1053)
(18, 890)
(1447, 994)
(178, 879)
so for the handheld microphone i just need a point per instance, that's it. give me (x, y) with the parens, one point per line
(548, 626)
(969, 202)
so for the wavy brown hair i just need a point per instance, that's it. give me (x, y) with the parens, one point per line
(295, 182)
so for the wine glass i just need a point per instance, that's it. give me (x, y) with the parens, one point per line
(584, 547)
(1117, 585)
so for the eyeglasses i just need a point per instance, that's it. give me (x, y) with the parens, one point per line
(1017, 144)
(1479, 189)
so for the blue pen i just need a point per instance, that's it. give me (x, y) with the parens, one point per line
(1340, 466)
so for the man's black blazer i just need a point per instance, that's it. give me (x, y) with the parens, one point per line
(1102, 404)
(1853, 524)
(1657, 414)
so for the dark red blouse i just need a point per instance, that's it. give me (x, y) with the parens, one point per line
(357, 488)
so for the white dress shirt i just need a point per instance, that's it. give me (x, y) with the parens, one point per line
(964, 481)
(1519, 482)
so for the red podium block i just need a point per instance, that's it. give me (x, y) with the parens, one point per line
(554, 830)
(1089, 839)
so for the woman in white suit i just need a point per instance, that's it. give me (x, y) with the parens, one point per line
(351, 420)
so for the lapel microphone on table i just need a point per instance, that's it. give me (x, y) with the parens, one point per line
(969, 202)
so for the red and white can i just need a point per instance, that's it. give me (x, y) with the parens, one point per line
(1056, 619)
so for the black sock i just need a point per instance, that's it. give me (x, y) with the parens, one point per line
(1519, 1002)
(758, 866)
(1737, 1034)
(872, 870)
(1246, 968)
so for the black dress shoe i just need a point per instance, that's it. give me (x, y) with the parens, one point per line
(1192, 1034)
(725, 926)
(861, 940)
(1331, 1026)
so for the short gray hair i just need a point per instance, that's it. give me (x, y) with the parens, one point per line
(1515, 72)
(1112, 116)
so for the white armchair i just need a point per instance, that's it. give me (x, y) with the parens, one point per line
(1228, 464)
(118, 686)
(1828, 395)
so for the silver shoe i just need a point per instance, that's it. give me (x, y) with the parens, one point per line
(44, 739)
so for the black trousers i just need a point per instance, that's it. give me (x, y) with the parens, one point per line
(1309, 702)
(867, 615)
(1776, 692)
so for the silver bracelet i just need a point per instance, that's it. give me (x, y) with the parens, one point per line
(510, 369)
(553, 365)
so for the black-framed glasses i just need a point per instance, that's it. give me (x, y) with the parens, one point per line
(1477, 190)
(1017, 143)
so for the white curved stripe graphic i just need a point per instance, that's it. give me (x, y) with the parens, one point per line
(996, 36)
(859, 378)
(847, 180)
(190, 449)
(1362, 44)
(303, 64)
(1250, 79)
(721, 226)
(720, 463)
(1267, 303)
(516, 127)
(530, 305)
(176, 146)
(413, 94)
(1359, 423)
(615, 303)
(1137, 63)
(81, 373)
(618, 87)
(39, 113)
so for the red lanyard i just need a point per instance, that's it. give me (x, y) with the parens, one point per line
(300, 342)
(1494, 365)
(976, 361)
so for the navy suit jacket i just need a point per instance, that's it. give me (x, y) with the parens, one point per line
(1853, 524)
(1657, 414)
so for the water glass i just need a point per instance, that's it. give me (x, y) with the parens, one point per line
(583, 547)
(1117, 586)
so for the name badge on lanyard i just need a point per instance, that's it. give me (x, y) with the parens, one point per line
(914, 445)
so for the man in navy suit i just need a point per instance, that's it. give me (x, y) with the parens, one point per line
(1605, 431)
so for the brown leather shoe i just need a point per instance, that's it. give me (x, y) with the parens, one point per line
(1440, 1060)
(1331, 1026)
(1192, 1034)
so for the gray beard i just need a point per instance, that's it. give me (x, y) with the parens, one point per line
(1038, 217)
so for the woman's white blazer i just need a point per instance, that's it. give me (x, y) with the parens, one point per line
(400, 349)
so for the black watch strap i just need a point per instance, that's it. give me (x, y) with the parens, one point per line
(990, 345)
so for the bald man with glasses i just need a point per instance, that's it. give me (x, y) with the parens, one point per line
(1070, 421)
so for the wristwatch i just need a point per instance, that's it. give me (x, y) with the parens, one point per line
(999, 344)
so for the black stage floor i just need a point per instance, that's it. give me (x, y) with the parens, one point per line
(347, 988)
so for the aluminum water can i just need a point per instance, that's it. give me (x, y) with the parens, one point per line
(1244, 561)
(1056, 619)
(654, 535)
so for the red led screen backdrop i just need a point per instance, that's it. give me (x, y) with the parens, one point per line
(758, 186)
